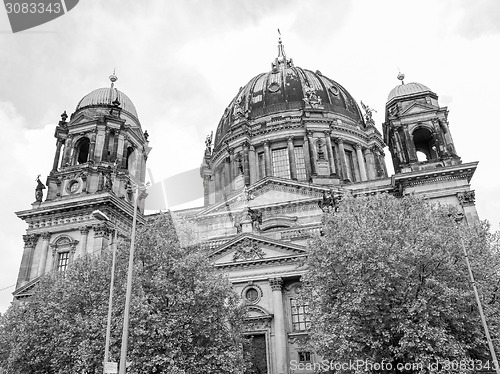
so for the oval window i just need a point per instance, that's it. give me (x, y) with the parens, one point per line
(334, 90)
(274, 87)
(252, 295)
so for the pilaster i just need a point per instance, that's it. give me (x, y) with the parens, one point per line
(361, 162)
(279, 326)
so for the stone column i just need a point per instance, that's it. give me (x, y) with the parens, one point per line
(312, 153)
(206, 190)
(92, 145)
(227, 171)
(142, 174)
(370, 164)
(291, 158)
(267, 158)
(126, 144)
(331, 161)
(211, 189)
(25, 269)
(84, 231)
(45, 249)
(72, 250)
(279, 326)
(67, 151)
(119, 148)
(343, 162)
(412, 153)
(246, 163)
(254, 168)
(115, 146)
(361, 162)
(379, 170)
(382, 163)
(307, 159)
(57, 155)
(100, 232)
(105, 148)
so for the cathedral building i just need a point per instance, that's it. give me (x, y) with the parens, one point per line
(288, 146)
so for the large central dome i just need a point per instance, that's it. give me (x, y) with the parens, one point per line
(287, 88)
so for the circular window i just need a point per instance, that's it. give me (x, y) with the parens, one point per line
(274, 87)
(334, 90)
(73, 186)
(252, 295)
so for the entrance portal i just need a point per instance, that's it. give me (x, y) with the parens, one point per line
(257, 350)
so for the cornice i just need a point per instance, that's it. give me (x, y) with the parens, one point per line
(446, 173)
(262, 262)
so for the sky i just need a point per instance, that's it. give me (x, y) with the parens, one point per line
(182, 62)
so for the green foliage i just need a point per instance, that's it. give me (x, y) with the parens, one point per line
(388, 281)
(184, 317)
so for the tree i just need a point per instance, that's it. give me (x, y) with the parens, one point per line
(388, 283)
(184, 317)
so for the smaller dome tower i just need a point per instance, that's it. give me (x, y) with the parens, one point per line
(105, 148)
(416, 129)
(100, 155)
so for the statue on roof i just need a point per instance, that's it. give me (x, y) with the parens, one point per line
(208, 141)
(38, 190)
(368, 112)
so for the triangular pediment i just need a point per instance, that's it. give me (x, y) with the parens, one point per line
(27, 290)
(249, 248)
(265, 192)
(81, 118)
(417, 108)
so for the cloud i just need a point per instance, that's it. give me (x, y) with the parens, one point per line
(475, 19)
(28, 155)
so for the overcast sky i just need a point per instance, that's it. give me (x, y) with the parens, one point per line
(181, 63)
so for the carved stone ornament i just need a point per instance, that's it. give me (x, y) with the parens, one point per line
(258, 324)
(239, 109)
(73, 186)
(248, 251)
(466, 198)
(312, 98)
(46, 235)
(30, 240)
(100, 230)
(84, 230)
(276, 283)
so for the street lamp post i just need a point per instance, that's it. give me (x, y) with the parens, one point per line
(123, 355)
(478, 301)
(103, 217)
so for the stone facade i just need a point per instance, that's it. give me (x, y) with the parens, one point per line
(100, 154)
(288, 146)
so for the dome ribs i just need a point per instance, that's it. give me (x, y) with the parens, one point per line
(103, 97)
(280, 92)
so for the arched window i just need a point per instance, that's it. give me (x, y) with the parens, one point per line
(63, 249)
(82, 151)
(424, 144)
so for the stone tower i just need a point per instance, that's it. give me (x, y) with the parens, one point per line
(417, 132)
(100, 156)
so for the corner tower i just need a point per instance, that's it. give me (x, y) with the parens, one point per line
(416, 129)
(425, 160)
(100, 155)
